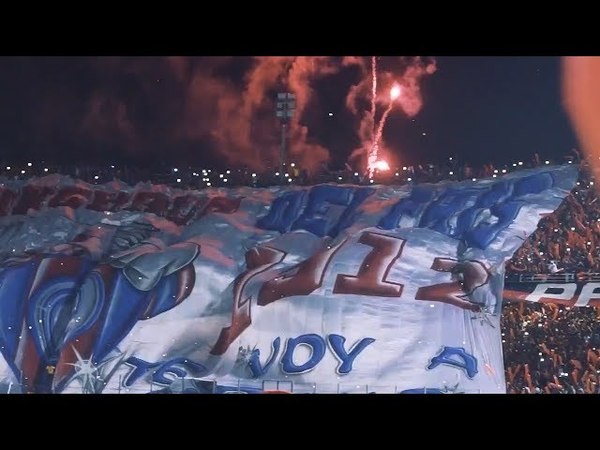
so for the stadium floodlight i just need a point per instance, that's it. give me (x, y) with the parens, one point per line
(286, 106)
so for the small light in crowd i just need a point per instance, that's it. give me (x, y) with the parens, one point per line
(29, 164)
(175, 169)
(339, 178)
(403, 167)
(330, 114)
(556, 230)
(7, 167)
(424, 134)
(371, 180)
(514, 164)
(253, 175)
(286, 175)
(276, 174)
(591, 183)
(495, 170)
(450, 173)
(355, 174)
(520, 163)
(589, 243)
(208, 184)
(450, 158)
(541, 253)
(96, 177)
(397, 174)
(290, 180)
(292, 164)
(494, 176)
(570, 162)
(526, 333)
(547, 162)
(22, 172)
(578, 183)
(228, 172)
(409, 179)
(503, 170)
(220, 175)
(474, 179)
(542, 359)
(112, 167)
(179, 180)
(225, 180)
(432, 306)
(572, 228)
(45, 169)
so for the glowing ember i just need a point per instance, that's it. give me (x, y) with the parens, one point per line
(381, 165)
(395, 92)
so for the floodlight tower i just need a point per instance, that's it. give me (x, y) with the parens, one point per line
(286, 106)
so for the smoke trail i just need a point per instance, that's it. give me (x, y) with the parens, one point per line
(408, 73)
(382, 124)
(373, 152)
(374, 88)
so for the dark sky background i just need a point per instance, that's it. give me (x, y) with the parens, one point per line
(151, 110)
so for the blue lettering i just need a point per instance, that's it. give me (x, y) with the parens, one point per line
(412, 206)
(283, 212)
(346, 358)
(255, 366)
(317, 346)
(180, 367)
(423, 391)
(317, 218)
(533, 184)
(437, 215)
(484, 233)
(468, 362)
(348, 217)
(140, 368)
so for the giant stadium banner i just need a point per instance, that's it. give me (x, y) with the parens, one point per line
(328, 288)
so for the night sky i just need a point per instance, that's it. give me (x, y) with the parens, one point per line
(206, 111)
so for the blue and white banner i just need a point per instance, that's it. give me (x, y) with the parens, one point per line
(330, 288)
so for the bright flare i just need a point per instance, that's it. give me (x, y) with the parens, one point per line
(395, 92)
(381, 165)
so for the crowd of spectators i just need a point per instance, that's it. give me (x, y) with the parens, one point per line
(197, 177)
(552, 348)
